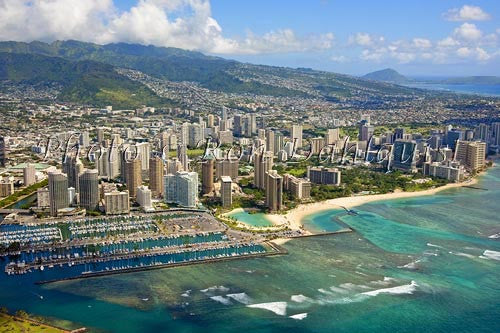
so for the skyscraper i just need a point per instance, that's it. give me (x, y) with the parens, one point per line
(263, 162)
(495, 129)
(270, 141)
(207, 175)
(117, 203)
(89, 189)
(144, 198)
(274, 190)
(182, 188)
(134, 176)
(225, 191)
(156, 176)
(143, 153)
(72, 167)
(365, 131)
(226, 168)
(29, 174)
(297, 135)
(471, 154)
(58, 191)
(404, 155)
(3, 151)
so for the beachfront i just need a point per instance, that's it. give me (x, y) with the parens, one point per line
(294, 218)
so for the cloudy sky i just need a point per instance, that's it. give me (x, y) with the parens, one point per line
(416, 37)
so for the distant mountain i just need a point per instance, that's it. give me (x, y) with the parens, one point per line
(387, 75)
(87, 82)
(216, 73)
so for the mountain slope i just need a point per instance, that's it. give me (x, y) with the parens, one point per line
(387, 75)
(213, 72)
(87, 82)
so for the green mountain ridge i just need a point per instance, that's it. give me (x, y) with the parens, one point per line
(214, 73)
(87, 82)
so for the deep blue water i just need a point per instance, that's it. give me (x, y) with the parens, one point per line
(481, 89)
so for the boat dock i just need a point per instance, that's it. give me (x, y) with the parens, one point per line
(276, 250)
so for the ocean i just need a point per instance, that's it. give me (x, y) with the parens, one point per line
(427, 264)
(480, 89)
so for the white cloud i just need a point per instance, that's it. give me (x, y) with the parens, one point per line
(365, 39)
(186, 24)
(422, 43)
(447, 42)
(339, 58)
(467, 13)
(468, 32)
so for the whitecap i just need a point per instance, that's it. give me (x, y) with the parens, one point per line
(461, 254)
(300, 298)
(433, 245)
(352, 286)
(338, 290)
(299, 316)
(494, 236)
(221, 299)
(278, 308)
(241, 298)
(404, 289)
(490, 254)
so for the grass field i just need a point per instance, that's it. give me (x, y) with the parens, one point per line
(14, 325)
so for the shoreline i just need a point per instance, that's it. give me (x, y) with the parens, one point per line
(294, 218)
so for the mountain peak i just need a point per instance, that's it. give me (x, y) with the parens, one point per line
(386, 75)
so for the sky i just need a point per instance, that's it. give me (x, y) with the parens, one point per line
(415, 37)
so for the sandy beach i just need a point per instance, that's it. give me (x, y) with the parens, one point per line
(295, 216)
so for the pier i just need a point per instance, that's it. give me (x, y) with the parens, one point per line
(276, 250)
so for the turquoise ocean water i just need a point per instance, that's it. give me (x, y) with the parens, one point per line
(428, 264)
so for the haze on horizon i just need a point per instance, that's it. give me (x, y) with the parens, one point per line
(447, 38)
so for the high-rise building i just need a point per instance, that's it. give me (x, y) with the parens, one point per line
(365, 131)
(210, 120)
(238, 125)
(195, 135)
(144, 198)
(451, 170)
(225, 137)
(297, 135)
(72, 167)
(453, 136)
(226, 168)
(317, 145)
(404, 155)
(100, 135)
(263, 162)
(332, 136)
(226, 191)
(298, 187)
(278, 142)
(117, 203)
(399, 134)
(183, 157)
(472, 154)
(182, 188)
(270, 141)
(134, 176)
(274, 190)
(172, 166)
(482, 132)
(495, 131)
(89, 189)
(207, 175)
(6, 188)
(58, 191)
(3, 151)
(42, 198)
(156, 176)
(29, 174)
(84, 139)
(322, 175)
(143, 153)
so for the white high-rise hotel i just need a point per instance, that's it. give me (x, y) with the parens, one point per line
(182, 188)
